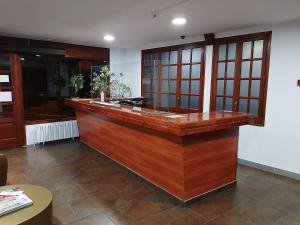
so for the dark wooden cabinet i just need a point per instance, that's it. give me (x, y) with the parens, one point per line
(11, 105)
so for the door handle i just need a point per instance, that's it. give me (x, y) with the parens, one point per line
(235, 106)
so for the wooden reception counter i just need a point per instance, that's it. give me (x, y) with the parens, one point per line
(187, 155)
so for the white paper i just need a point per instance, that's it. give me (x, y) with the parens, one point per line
(5, 96)
(4, 78)
(174, 116)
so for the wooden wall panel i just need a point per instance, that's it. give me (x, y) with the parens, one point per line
(210, 161)
(156, 158)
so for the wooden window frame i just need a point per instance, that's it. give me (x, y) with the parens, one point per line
(266, 36)
(178, 79)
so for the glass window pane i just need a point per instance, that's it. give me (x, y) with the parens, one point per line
(229, 87)
(231, 51)
(147, 85)
(147, 96)
(6, 111)
(253, 106)
(256, 68)
(258, 49)
(164, 100)
(154, 99)
(230, 69)
(184, 101)
(196, 55)
(255, 87)
(165, 72)
(247, 47)
(147, 72)
(173, 71)
(154, 72)
(147, 60)
(154, 85)
(173, 57)
(164, 86)
(185, 71)
(220, 87)
(243, 105)
(245, 69)
(165, 58)
(221, 69)
(172, 100)
(244, 88)
(195, 87)
(173, 86)
(154, 59)
(5, 79)
(186, 56)
(228, 104)
(222, 52)
(219, 103)
(196, 71)
(194, 102)
(184, 86)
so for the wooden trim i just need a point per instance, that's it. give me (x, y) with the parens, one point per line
(244, 37)
(175, 47)
(72, 50)
(18, 98)
(188, 124)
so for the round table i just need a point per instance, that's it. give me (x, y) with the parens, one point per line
(40, 213)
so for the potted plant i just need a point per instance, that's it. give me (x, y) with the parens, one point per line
(76, 82)
(101, 83)
(108, 84)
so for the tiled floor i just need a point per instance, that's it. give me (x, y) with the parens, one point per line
(90, 189)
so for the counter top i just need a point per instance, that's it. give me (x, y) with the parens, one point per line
(172, 123)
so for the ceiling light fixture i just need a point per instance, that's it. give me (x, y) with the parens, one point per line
(38, 55)
(179, 21)
(22, 59)
(109, 38)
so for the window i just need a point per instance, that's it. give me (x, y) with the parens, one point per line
(240, 74)
(172, 77)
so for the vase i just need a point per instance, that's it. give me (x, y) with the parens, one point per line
(102, 96)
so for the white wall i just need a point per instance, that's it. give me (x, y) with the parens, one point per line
(128, 62)
(278, 143)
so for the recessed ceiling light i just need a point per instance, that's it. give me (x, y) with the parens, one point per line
(38, 55)
(22, 59)
(179, 21)
(109, 38)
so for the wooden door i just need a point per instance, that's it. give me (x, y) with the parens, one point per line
(240, 74)
(173, 77)
(11, 104)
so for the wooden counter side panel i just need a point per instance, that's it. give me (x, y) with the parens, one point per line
(157, 158)
(210, 161)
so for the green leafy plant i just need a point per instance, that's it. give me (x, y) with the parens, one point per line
(76, 82)
(100, 82)
(119, 89)
(109, 83)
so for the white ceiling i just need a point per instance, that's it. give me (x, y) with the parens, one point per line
(130, 21)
